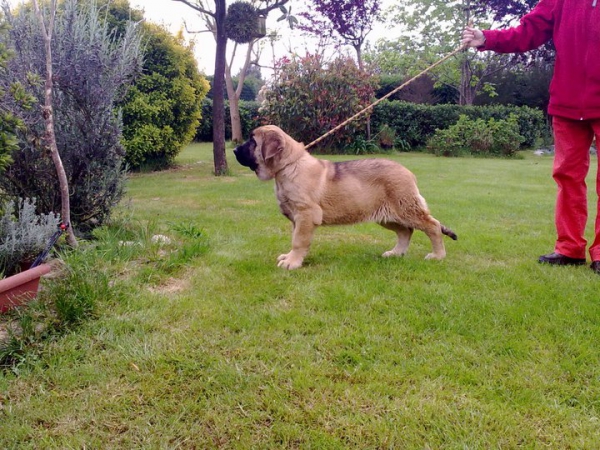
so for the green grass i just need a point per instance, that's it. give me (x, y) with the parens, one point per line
(205, 343)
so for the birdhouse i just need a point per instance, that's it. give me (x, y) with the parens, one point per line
(261, 26)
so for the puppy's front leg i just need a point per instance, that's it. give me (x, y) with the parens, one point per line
(304, 227)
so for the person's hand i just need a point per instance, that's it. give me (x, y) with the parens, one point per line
(472, 37)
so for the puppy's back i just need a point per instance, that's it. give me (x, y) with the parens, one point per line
(363, 190)
(373, 172)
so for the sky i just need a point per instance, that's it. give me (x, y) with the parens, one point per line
(173, 15)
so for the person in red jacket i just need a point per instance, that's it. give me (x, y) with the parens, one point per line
(574, 26)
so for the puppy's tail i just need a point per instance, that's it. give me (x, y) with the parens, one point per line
(448, 232)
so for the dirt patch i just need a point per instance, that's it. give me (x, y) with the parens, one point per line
(171, 286)
(7, 327)
(3, 331)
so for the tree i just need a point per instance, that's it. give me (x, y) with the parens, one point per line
(433, 29)
(394, 67)
(91, 70)
(241, 27)
(504, 11)
(48, 115)
(346, 21)
(253, 81)
(525, 86)
(217, 20)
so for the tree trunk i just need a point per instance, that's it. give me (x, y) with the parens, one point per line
(236, 121)
(234, 94)
(48, 113)
(234, 108)
(220, 157)
(466, 92)
(359, 58)
(361, 66)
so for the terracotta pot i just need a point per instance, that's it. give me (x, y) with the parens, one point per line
(21, 288)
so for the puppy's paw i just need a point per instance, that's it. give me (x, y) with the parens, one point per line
(392, 253)
(289, 261)
(435, 256)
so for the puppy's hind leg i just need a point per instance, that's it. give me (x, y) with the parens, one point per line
(404, 234)
(432, 228)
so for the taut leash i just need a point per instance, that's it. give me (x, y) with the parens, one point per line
(402, 86)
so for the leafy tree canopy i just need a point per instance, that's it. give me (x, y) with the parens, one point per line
(346, 21)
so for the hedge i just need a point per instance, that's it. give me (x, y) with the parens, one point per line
(413, 123)
(248, 112)
(416, 123)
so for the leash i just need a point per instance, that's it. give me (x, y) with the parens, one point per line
(389, 94)
(42, 256)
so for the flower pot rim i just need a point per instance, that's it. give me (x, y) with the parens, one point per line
(22, 287)
(24, 277)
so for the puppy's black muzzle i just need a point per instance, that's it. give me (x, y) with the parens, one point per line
(245, 154)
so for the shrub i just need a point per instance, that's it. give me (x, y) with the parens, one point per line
(249, 114)
(8, 141)
(92, 73)
(386, 137)
(23, 234)
(412, 124)
(8, 122)
(360, 145)
(310, 97)
(477, 137)
(163, 108)
(415, 124)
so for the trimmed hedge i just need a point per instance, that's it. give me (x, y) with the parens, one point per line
(414, 124)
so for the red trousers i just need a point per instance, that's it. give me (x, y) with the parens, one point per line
(572, 139)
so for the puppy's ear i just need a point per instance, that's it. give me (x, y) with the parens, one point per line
(272, 145)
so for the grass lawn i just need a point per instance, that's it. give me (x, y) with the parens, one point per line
(485, 349)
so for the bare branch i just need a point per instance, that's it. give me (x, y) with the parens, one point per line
(197, 6)
(187, 30)
(247, 63)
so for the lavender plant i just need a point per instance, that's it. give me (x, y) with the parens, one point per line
(23, 234)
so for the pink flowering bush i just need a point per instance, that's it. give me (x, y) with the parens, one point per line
(311, 97)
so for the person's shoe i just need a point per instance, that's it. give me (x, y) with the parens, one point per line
(562, 260)
(595, 266)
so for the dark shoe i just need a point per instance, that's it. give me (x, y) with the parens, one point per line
(596, 267)
(562, 260)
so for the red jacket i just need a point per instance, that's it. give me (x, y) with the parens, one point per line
(575, 27)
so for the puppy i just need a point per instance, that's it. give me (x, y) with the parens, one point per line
(313, 192)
